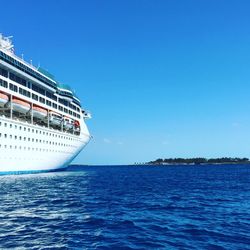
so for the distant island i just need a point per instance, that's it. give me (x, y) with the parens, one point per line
(199, 160)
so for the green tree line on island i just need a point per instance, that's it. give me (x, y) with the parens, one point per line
(200, 160)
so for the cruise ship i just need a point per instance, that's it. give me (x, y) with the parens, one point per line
(42, 122)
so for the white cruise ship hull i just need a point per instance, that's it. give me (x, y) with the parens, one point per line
(29, 148)
(42, 121)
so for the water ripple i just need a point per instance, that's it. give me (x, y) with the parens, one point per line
(179, 207)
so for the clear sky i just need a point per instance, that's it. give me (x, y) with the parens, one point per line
(162, 78)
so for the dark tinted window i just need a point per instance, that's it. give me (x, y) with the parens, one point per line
(3, 72)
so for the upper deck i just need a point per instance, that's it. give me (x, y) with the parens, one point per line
(34, 83)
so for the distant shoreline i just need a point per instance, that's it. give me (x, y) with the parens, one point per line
(194, 164)
(200, 161)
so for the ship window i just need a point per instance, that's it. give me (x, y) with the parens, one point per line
(20, 128)
(15, 137)
(41, 99)
(48, 103)
(38, 89)
(13, 87)
(28, 129)
(17, 79)
(3, 72)
(10, 136)
(5, 124)
(10, 125)
(35, 97)
(24, 92)
(3, 83)
(54, 105)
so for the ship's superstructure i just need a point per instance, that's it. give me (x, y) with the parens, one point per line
(42, 123)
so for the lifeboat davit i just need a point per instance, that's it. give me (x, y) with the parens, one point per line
(20, 105)
(55, 119)
(3, 99)
(39, 112)
(68, 123)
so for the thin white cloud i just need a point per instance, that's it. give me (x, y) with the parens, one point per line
(106, 140)
(165, 142)
(120, 143)
(236, 124)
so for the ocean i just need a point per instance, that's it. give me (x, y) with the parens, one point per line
(127, 207)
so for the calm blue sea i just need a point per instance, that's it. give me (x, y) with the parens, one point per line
(122, 207)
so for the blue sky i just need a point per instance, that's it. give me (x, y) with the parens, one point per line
(161, 78)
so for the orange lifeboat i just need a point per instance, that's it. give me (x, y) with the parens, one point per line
(3, 99)
(39, 112)
(20, 105)
(77, 125)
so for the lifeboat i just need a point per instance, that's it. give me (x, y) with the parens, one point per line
(20, 105)
(3, 99)
(55, 119)
(77, 125)
(68, 123)
(39, 112)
